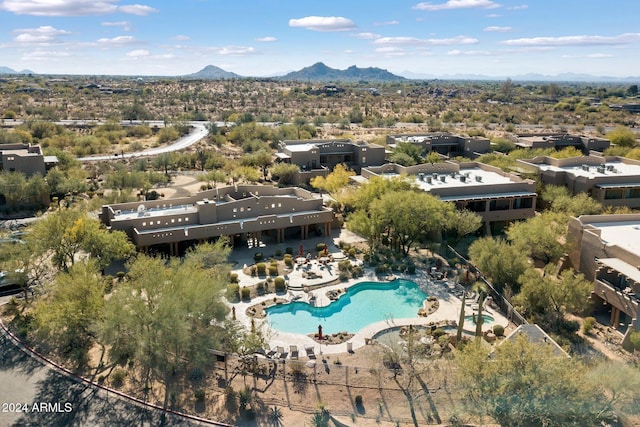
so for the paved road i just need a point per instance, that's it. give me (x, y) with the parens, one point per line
(198, 132)
(32, 394)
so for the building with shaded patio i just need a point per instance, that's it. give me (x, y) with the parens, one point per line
(606, 249)
(319, 157)
(444, 143)
(558, 141)
(497, 196)
(611, 180)
(248, 214)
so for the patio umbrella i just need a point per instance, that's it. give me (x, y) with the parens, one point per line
(320, 332)
(301, 250)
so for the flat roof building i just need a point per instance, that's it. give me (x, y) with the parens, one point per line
(444, 143)
(606, 249)
(497, 196)
(248, 213)
(559, 141)
(612, 181)
(25, 158)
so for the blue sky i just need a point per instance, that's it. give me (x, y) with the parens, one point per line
(270, 37)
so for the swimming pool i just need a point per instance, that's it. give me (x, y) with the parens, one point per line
(361, 305)
(485, 319)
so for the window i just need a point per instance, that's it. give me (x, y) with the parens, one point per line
(499, 205)
(613, 194)
(364, 159)
(477, 206)
(633, 193)
(523, 203)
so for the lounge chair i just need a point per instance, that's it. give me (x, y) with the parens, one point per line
(281, 353)
(293, 351)
(310, 352)
(271, 353)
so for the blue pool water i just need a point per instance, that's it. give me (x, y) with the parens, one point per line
(361, 305)
(485, 317)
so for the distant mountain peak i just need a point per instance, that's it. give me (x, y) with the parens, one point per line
(321, 72)
(7, 70)
(212, 72)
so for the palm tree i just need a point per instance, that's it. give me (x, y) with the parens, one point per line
(275, 416)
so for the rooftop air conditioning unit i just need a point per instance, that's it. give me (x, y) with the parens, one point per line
(463, 178)
(478, 178)
(601, 169)
(585, 168)
(429, 179)
(610, 168)
(443, 178)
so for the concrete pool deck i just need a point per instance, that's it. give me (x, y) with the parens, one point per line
(449, 306)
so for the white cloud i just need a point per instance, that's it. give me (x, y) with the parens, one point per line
(391, 51)
(414, 41)
(367, 36)
(44, 55)
(267, 39)
(469, 53)
(125, 25)
(497, 29)
(520, 7)
(381, 24)
(44, 34)
(323, 23)
(71, 7)
(457, 4)
(236, 51)
(590, 56)
(138, 53)
(137, 9)
(581, 40)
(181, 38)
(120, 40)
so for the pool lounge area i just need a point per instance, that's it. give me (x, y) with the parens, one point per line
(449, 309)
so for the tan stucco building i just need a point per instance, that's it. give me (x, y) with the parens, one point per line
(606, 249)
(559, 141)
(25, 158)
(498, 197)
(246, 213)
(444, 143)
(319, 157)
(612, 181)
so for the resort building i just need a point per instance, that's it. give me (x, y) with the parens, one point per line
(559, 141)
(498, 197)
(445, 143)
(319, 157)
(249, 214)
(606, 249)
(25, 158)
(612, 181)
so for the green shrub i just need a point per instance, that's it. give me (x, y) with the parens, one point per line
(443, 340)
(260, 288)
(344, 265)
(498, 330)
(343, 276)
(278, 253)
(273, 270)
(280, 284)
(588, 324)
(117, 377)
(199, 395)
(634, 339)
(438, 333)
(352, 253)
(289, 250)
(380, 269)
(233, 278)
(288, 262)
(411, 269)
(253, 270)
(245, 293)
(320, 247)
(233, 292)
(262, 268)
(357, 271)
(258, 256)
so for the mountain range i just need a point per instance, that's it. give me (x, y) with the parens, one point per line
(7, 70)
(319, 72)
